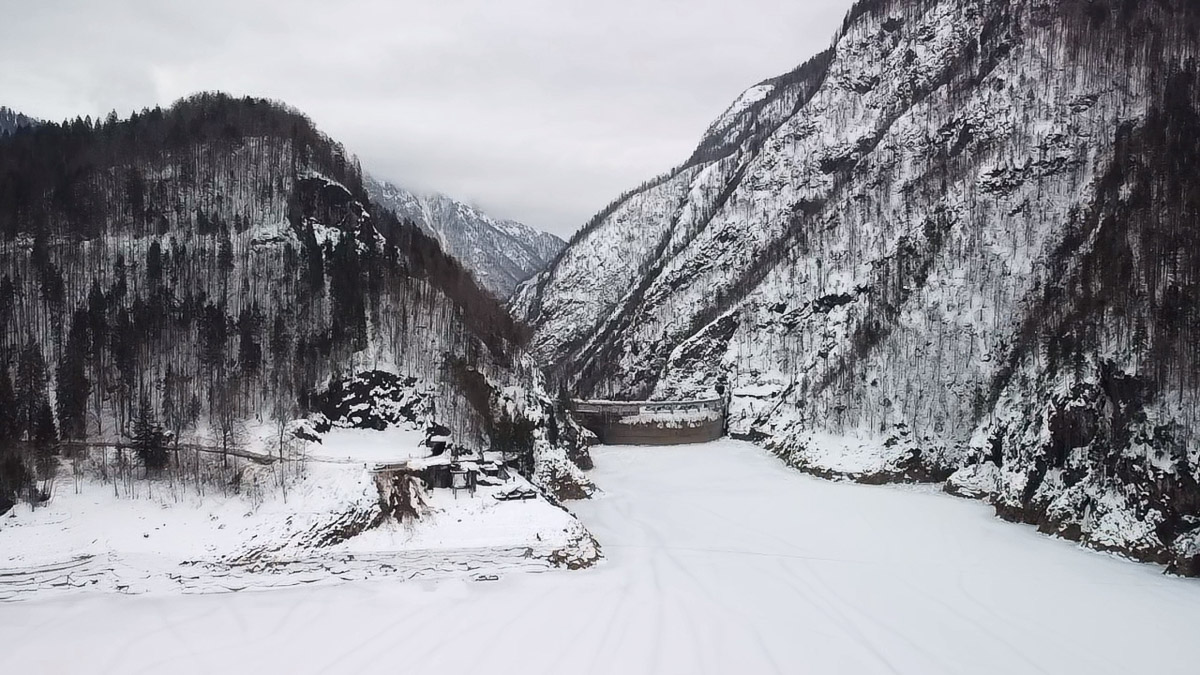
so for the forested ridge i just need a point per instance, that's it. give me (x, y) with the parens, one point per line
(182, 271)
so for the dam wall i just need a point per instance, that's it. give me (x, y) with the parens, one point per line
(652, 422)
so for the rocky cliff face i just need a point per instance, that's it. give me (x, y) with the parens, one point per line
(959, 245)
(11, 120)
(500, 253)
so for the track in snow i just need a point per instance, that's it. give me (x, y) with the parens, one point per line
(720, 560)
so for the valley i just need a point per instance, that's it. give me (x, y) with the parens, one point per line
(898, 371)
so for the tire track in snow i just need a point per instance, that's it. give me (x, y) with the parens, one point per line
(699, 587)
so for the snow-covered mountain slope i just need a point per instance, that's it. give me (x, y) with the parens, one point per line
(11, 120)
(959, 244)
(170, 279)
(500, 253)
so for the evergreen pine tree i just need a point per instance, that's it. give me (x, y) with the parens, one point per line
(30, 390)
(149, 439)
(15, 481)
(8, 406)
(72, 383)
(154, 265)
(45, 444)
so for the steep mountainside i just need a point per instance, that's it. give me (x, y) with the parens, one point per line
(501, 253)
(960, 244)
(184, 271)
(11, 120)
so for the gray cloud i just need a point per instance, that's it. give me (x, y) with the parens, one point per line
(538, 110)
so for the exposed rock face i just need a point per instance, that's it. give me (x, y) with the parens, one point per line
(960, 243)
(500, 253)
(11, 120)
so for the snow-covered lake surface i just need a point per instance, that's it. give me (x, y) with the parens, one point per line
(720, 560)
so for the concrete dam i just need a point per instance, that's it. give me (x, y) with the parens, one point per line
(652, 422)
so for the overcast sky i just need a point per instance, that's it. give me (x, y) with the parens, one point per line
(537, 110)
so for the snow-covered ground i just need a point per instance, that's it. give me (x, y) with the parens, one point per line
(163, 537)
(367, 446)
(719, 560)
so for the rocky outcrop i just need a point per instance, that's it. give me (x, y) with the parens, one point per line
(11, 121)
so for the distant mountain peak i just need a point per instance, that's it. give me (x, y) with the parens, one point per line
(500, 253)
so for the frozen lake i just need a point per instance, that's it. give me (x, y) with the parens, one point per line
(719, 560)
